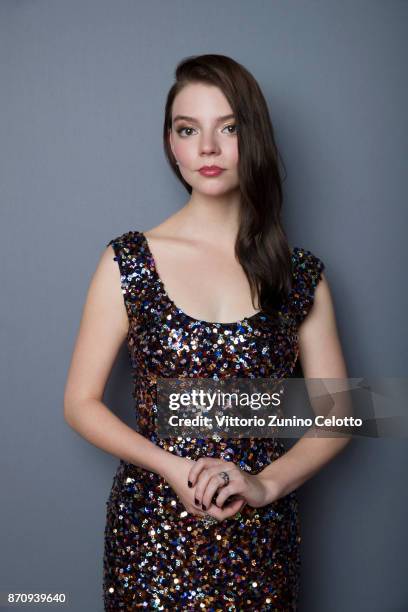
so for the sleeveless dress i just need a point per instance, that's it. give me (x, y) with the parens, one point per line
(156, 555)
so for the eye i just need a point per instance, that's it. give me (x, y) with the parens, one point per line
(180, 130)
(232, 125)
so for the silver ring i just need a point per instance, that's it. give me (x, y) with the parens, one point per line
(225, 476)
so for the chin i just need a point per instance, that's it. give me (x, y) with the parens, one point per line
(214, 187)
(220, 191)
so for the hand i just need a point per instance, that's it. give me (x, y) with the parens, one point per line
(243, 488)
(176, 475)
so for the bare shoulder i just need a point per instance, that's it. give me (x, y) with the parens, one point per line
(107, 269)
(322, 312)
(162, 231)
(167, 235)
(323, 297)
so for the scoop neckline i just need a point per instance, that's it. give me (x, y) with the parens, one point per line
(179, 310)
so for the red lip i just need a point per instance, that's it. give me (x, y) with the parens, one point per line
(210, 170)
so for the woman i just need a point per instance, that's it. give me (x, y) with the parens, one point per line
(212, 292)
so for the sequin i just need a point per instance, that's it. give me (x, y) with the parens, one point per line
(157, 556)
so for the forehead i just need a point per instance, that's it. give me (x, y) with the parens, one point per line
(201, 101)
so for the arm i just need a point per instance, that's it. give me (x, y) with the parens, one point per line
(321, 357)
(103, 328)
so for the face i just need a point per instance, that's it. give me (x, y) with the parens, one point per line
(207, 138)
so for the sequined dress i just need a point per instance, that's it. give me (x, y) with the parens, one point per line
(156, 555)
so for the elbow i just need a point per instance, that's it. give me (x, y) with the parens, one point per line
(69, 412)
(67, 416)
(74, 408)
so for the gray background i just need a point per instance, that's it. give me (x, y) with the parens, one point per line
(83, 85)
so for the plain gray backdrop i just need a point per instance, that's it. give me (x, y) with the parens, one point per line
(83, 86)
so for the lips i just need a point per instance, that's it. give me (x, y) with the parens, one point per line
(210, 170)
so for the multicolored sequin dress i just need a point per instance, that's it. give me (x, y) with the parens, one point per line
(156, 555)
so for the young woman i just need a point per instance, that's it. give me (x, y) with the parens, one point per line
(214, 291)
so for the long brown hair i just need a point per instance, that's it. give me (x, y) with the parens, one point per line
(261, 245)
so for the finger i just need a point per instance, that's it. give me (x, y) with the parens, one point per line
(213, 484)
(231, 489)
(201, 487)
(191, 509)
(207, 484)
(233, 508)
(200, 464)
(219, 501)
(228, 511)
(196, 469)
(235, 487)
(197, 512)
(228, 502)
(202, 481)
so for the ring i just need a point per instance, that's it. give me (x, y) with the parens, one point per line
(225, 476)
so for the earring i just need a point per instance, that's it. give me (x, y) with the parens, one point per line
(177, 163)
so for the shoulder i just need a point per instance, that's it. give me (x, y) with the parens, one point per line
(307, 271)
(125, 241)
(127, 250)
(306, 266)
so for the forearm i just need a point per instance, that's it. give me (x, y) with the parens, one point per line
(99, 426)
(298, 464)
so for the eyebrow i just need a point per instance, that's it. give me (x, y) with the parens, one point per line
(187, 118)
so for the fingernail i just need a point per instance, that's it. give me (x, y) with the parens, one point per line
(196, 501)
(204, 507)
(190, 484)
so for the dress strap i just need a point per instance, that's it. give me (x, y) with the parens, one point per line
(132, 267)
(307, 271)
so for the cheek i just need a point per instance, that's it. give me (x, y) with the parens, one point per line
(233, 152)
(184, 152)
(230, 152)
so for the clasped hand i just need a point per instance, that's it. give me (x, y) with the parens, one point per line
(217, 499)
(202, 490)
(204, 477)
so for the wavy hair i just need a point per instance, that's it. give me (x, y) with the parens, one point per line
(261, 245)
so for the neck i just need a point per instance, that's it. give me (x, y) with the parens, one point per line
(215, 218)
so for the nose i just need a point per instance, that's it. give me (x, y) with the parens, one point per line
(209, 144)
